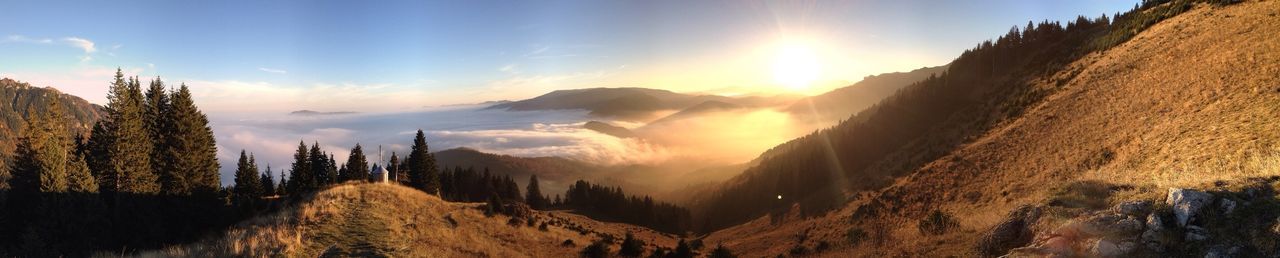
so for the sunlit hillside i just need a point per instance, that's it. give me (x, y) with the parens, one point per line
(1189, 102)
(363, 219)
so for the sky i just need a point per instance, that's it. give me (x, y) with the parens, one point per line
(245, 57)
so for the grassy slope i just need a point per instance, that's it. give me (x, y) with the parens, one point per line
(390, 220)
(1189, 101)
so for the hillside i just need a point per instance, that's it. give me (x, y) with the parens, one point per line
(555, 173)
(606, 128)
(19, 97)
(700, 109)
(839, 104)
(382, 220)
(1188, 102)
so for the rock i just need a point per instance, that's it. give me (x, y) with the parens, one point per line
(1195, 233)
(1154, 223)
(1186, 203)
(1225, 252)
(1133, 208)
(1155, 240)
(1127, 247)
(1013, 231)
(1110, 224)
(1226, 206)
(1106, 248)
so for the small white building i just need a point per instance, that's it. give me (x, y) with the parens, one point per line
(379, 174)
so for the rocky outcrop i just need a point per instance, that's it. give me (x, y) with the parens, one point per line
(1217, 223)
(1012, 231)
(1186, 203)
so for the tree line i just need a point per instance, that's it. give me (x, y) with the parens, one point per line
(147, 174)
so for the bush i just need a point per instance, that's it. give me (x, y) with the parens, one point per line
(721, 252)
(798, 250)
(855, 235)
(598, 249)
(937, 223)
(631, 247)
(823, 246)
(659, 252)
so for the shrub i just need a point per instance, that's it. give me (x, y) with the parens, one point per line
(855, 235)
(798, 250)
(598, 249)
(823, 246)
(659, 252)
(937, 223)
(631, 247)
(721, 252)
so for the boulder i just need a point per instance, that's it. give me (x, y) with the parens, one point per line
(1186, 203)
(1138, 208)
(1226, 206)
(1110, 224)
(1154, 222)
(1104, 248)
(1011, 232)
(1196, 234)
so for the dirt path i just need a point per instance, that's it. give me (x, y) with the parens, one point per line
(355, 234)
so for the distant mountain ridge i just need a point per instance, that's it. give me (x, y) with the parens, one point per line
(305, 112)
(843, 102)
(625, 103)
(606, 128)
(20, 98)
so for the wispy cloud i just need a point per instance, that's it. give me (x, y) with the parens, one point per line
(275, 71)
(510, 69)
(82, 44)
(25, 39)
(538, 51)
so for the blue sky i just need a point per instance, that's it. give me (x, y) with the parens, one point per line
(254, 56)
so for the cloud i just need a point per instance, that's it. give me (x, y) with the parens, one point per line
(266, 97)
(538, 50)
(510, 69)
(82, 44)
(25, 39)
(275, 71)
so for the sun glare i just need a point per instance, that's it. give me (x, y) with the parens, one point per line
(796, 66)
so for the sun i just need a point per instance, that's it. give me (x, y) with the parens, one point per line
(796, 66)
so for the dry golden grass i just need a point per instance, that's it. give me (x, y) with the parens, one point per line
(362, 219)
(1192, 100)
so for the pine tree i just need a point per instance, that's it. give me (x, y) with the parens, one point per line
(319, 165)
(357, 166)
(396, 170)
(533, 196)
(282, 188)
(123, 154)
(44, 154)
(301, 178)
(191, 148)
(423, 173)
(246, 178)
(156, 115)
(331, 170)
(268, 183)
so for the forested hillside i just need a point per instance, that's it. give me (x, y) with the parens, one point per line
(21, 100)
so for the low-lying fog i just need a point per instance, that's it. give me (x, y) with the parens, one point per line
(708, 140)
